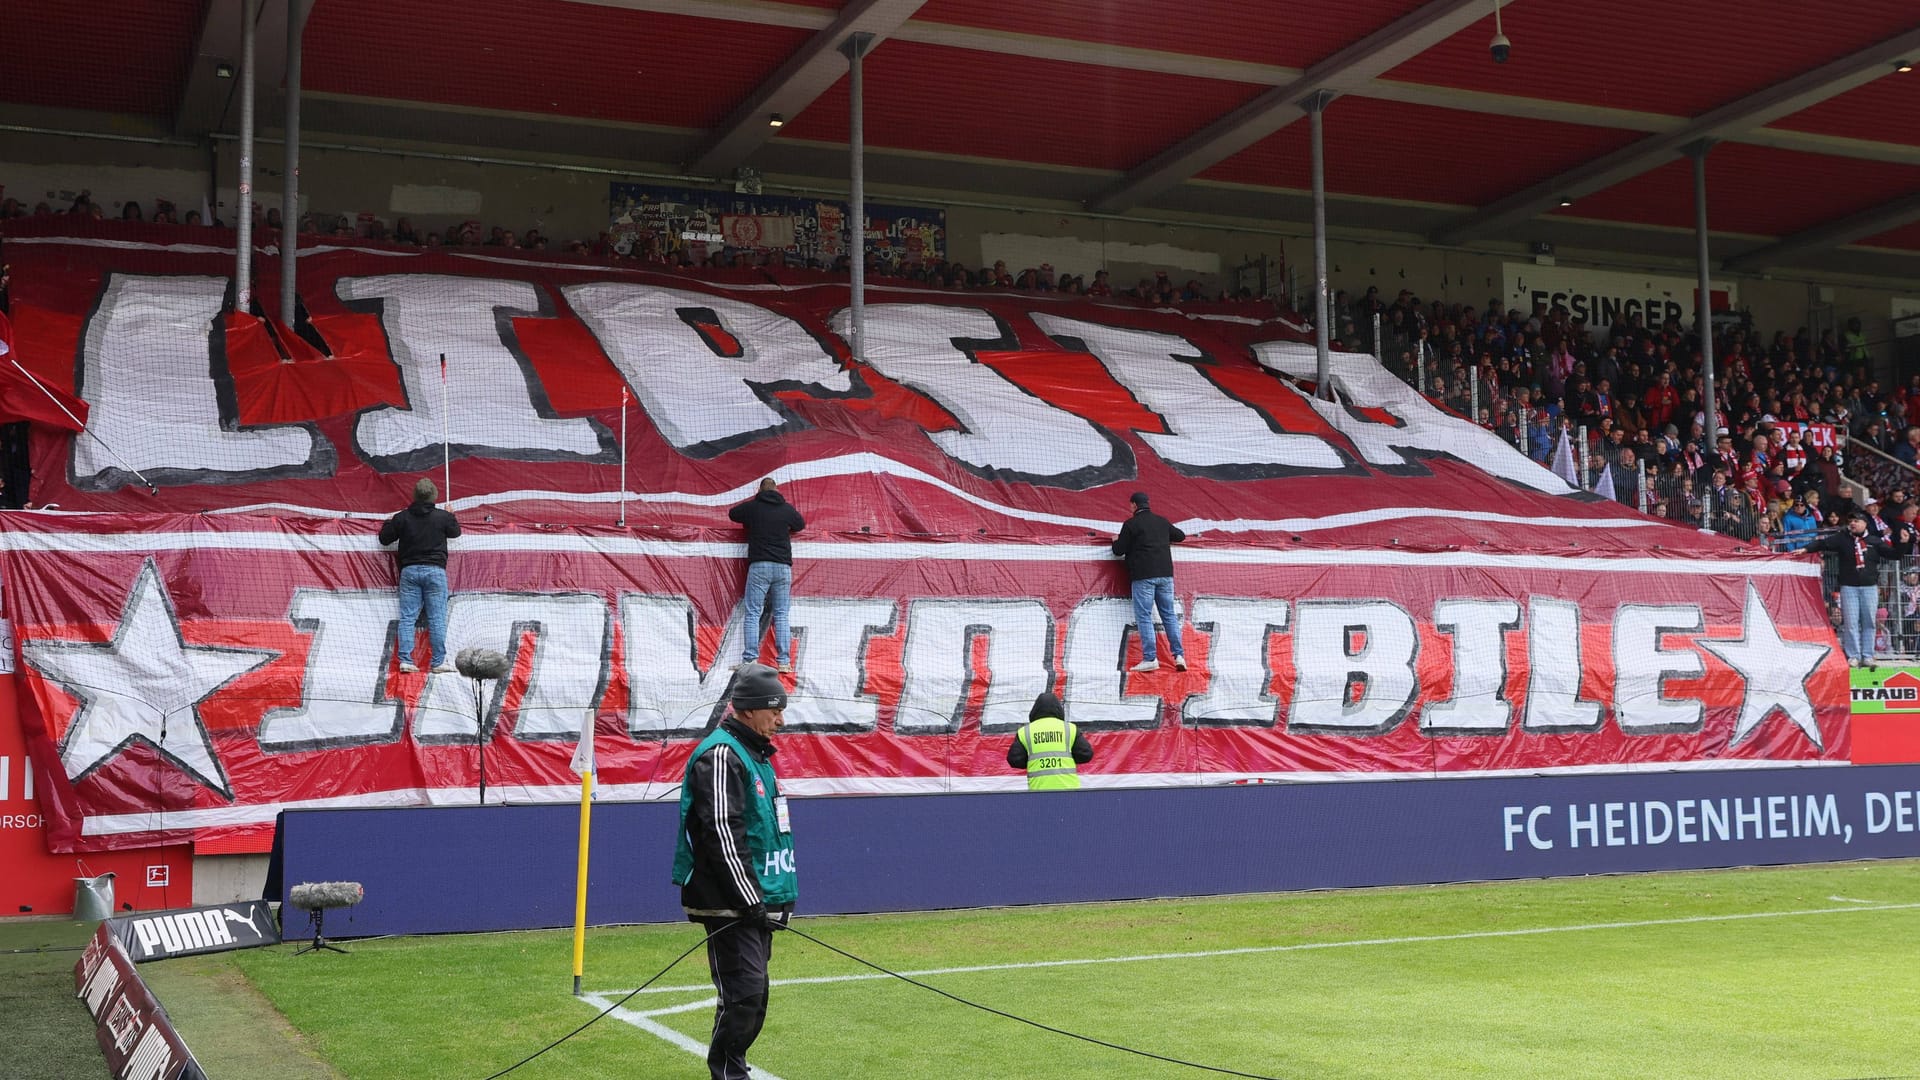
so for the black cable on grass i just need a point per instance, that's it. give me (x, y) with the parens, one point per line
(1021, 1019)
(656, 978)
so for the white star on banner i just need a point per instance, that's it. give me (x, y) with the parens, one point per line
(1776, 672)
(145, 685)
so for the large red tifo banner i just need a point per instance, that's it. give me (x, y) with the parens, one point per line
(1372, 586)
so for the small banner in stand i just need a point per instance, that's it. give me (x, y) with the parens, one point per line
(134, 1032)
(160, 935)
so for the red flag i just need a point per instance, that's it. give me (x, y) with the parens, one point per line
(24, 397)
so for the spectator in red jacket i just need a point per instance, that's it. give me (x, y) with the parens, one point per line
(1661, 400)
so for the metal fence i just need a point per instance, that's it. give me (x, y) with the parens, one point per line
(1897, 611)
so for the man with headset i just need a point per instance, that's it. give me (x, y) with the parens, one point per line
(734, 860)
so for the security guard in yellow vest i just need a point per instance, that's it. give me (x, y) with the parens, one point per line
(1048, 748)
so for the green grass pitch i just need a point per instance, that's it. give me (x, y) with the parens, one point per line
(1792, 973)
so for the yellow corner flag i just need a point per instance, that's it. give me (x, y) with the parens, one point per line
(583, 765)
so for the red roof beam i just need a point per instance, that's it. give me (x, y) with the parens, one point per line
(1756, 110)
(1353, 66)
(1846, 230)
(796, 84)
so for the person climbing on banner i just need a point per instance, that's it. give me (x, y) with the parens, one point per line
(1145, 542)
(770, 523)
(421, 532)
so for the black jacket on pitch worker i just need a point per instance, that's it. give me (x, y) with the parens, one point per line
(770, 522)
(1146, 543)
(720, 784)
(422, 531)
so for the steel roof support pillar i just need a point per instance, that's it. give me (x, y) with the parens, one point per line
(856, 48)
(1703, 306)
(243, 228)
(290, 202)
(1316, 107)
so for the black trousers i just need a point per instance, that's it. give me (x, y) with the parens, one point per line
(737, 958)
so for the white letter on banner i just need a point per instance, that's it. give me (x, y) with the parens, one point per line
(1361, 383)
(667, 693)
(1478, 705)
(1326, 667)
(1210, 431)
(1553, 670)
(1006, 432)
(1096, 669)
(147, 370)
(1239, 668)
(343, 695)
(498, 407)
(1641, 668)
(937, 663)
(702, 396)
(830, 650)
(570, 655)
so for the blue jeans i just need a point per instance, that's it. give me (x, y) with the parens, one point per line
(769, 585)
(1149, 593)
(1859, 608)
(423, 585)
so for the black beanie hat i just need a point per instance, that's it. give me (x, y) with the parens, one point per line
(1139, 499)
(757, 686)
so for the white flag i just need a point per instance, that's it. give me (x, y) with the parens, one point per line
(1563, 464)
(1604, 488)
(582, 762)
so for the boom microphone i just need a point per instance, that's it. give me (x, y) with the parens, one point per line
(482, 663)
(318, 896)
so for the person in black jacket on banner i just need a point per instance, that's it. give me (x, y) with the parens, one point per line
(1858, 563)
(1145, 542)
(770, 522)
(733, 860)
(421, 532)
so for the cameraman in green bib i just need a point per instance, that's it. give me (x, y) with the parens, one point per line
(734, 860)
(1049, 748)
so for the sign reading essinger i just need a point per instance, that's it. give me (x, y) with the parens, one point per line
(1599, 297)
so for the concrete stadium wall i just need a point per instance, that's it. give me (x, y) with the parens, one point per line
(432, 870)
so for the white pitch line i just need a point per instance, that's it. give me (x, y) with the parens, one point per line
(1258, 950)
(1851, 900)
(691, 1006)
(640, 1020)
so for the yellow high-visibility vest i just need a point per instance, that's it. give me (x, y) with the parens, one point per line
(1050, 764)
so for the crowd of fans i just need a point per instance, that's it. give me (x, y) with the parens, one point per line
(1637, 394)
(1807, 437)
(667, 252)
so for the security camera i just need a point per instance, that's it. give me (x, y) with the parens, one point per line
(1501, 48)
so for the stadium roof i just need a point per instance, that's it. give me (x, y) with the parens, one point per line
(1144, 106)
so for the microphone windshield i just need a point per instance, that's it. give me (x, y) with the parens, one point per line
(314, 895)
(482, 663)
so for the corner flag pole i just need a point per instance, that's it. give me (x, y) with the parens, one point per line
(583, 764)
(580, 885)
(446, 441)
